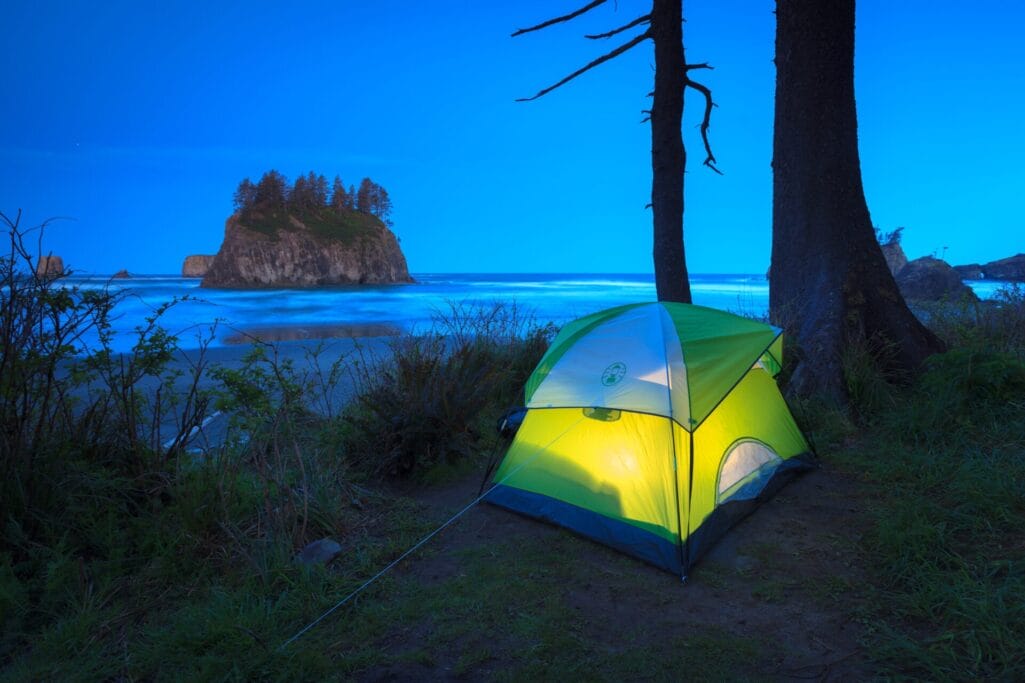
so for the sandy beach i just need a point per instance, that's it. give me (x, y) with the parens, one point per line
(311, 359)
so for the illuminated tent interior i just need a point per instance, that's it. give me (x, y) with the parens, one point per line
(653, 428)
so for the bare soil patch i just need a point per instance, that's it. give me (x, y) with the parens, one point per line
(777, 598)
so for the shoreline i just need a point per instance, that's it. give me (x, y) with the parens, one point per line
(269, 334)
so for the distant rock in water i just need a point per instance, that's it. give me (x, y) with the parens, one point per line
(50, 265)
(895, 257)
(931, 279)
(272, 248)
(121, 275)
(972, 271)
(196, 265)
(1011, 269)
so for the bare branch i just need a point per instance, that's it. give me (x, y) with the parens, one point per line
(604, 58)
(710, 158)
(639, 20)
(699, 65)
(558, 20)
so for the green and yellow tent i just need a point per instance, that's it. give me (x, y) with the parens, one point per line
(653, 428)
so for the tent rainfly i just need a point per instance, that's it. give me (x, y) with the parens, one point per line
(653, 428)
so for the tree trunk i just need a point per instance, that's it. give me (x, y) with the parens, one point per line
(830, 286)
(668, 158)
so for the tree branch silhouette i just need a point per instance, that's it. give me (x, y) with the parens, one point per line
(558, 20)
(584, 69)
(639, 20)
(663, 25)
(706, 120)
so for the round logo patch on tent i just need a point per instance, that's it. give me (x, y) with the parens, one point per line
(613, 374)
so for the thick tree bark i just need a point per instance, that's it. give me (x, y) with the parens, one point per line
(668, 157)
(830, 285)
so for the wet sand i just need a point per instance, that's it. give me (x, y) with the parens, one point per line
(328, 331)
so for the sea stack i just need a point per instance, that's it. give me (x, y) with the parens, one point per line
(50, 266)
(306, 236)
(302, 256)
(197, 265)
(932, 279)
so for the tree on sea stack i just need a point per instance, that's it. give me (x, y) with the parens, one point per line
(830, 285)
(245, 195)
(663, 25)
(340, 198)
(373, 199)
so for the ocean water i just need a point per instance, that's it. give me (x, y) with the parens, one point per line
(227, 315)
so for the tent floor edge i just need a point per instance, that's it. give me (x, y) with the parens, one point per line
(729, 514)
(629, 539)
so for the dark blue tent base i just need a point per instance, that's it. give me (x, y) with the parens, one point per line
(635, 541)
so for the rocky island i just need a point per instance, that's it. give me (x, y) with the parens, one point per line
(926, 278)
(196, 265)
(303, 236)
(1010, 269)
(50, 266)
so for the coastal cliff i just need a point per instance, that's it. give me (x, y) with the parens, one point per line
(354, 249)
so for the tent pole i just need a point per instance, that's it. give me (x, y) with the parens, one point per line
(690, 490)
(676, 490)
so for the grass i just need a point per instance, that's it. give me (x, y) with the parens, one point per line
(945, 474)
(344, 225)
(122, 559)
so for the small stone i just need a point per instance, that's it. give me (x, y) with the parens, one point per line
(745, 563)
(319, 552)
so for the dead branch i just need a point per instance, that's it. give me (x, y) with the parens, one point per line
(558, 20)
(710, 158)
(639, 20)
(600, 60)
(699, 65)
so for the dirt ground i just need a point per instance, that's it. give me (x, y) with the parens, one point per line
(785, 579)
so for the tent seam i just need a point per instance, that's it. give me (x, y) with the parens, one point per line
(672, 440)
(735, 383)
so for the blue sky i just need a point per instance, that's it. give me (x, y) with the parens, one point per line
(136, 120)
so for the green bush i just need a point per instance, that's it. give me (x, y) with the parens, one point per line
(425, 404)
(995, 325)
(279, 445)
